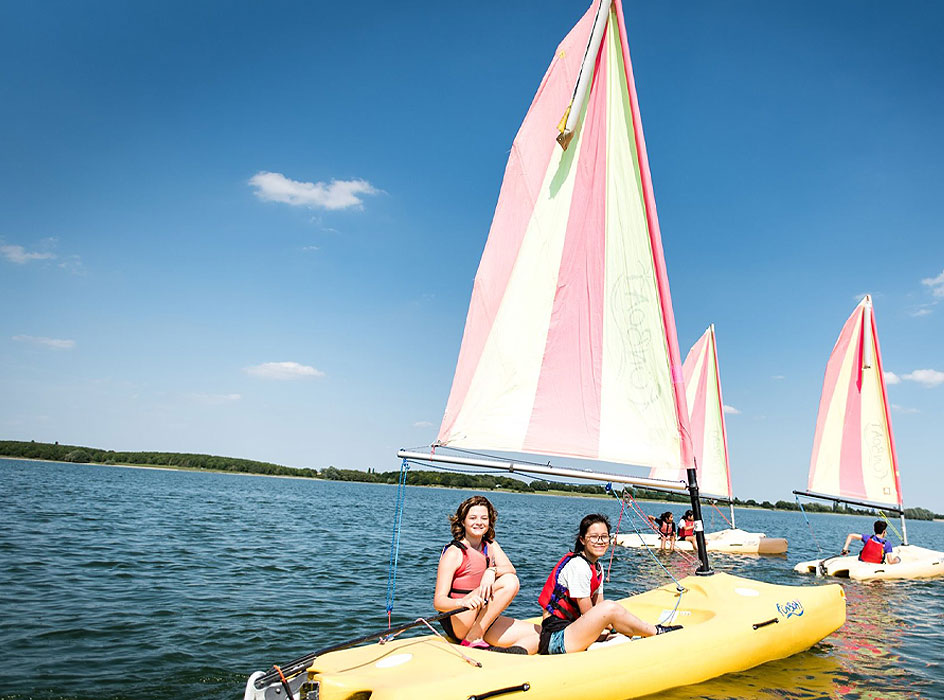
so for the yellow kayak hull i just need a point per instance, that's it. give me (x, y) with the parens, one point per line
(735, 623)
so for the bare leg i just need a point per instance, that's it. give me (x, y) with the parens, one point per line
(503, 592)
(507, 631)
(584, 631)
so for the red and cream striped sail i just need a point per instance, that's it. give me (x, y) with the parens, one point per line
(854, 449)
(569, 345)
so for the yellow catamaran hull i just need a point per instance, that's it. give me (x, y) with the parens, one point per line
(734, 623)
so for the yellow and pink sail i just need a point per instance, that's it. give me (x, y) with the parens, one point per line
(569, 346)
(854, 449)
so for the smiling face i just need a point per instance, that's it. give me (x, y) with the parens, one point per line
(476, 522)
(596, 541)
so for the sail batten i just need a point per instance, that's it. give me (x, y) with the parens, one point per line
(569, 347)
(853, 448)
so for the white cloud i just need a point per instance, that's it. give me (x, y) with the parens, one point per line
(337, 194)
(936, 284)
(778, 377)
(215, 399)
(19, 255)
(54, 343)
(902, 409)
(927, 377)
(860, 297)
(891, 378)
(422, 424)
(283, 370)
(731, 409)
(310, 248)
(923, 310)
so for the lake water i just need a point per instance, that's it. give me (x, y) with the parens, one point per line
(140, 583)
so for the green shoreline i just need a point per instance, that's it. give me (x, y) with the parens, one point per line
(73, 454)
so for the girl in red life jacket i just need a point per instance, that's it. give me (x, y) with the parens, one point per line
(475, 573)
(575, 612)
(686, 528)
(666, 528)
(875, 548)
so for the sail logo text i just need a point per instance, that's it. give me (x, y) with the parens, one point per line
(793, 608)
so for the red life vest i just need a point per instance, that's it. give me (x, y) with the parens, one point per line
(873, 551)
(556, 599)
(666, 528)
(686, 530)
(469, 573)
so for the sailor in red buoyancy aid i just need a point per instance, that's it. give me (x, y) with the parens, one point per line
(475, 573)
(686, 527)
(575, 613)
(875, 548)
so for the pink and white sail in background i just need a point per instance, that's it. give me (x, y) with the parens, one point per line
(706, 414)
(854, 449)
(569, 346)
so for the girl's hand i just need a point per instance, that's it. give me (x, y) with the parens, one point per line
(472, 601)
(485, 586)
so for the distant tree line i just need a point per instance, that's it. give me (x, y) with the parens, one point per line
(415, 477)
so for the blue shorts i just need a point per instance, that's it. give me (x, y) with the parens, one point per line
(555, 644)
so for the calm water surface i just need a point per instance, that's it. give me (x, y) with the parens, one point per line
(140, 583)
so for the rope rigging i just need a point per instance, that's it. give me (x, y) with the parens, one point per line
(395, 541)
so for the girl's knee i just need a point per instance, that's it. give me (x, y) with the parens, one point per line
(509, 582)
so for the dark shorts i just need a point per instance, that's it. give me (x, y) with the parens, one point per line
(552, 635)
(446, 623)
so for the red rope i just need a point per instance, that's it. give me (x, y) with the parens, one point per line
(642, 514)
(715, 506)
(613, 549)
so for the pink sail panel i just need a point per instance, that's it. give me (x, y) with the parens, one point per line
(569, 347)
(706, 418)
(853, 447)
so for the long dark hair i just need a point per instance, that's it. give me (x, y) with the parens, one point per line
(455, 521)
(585, 524)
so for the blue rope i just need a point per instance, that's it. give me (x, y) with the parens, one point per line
(395, 538)
(809, 525)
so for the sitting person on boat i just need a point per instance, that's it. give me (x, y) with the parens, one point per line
(686, 528)
(575, 613)
(875, 548)
(665, 526)
(475, 573)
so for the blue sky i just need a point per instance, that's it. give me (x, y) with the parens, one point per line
(251, 229)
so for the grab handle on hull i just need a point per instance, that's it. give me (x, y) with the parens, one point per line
(771, 621)
(523, 688)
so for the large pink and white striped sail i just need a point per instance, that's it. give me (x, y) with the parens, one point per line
(569, 346)
(854, 449)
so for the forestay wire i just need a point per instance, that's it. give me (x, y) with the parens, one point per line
(395, 541)
(638, 510)
(809, 525)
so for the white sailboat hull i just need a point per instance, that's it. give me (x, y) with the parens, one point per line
(916, 562)
(730, 541)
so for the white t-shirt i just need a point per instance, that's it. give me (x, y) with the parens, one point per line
(576, 576)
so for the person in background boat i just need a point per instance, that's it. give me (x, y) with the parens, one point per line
(575, 613)
(686, 528)
(875, 548)
(475, 573)
(666, 528)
